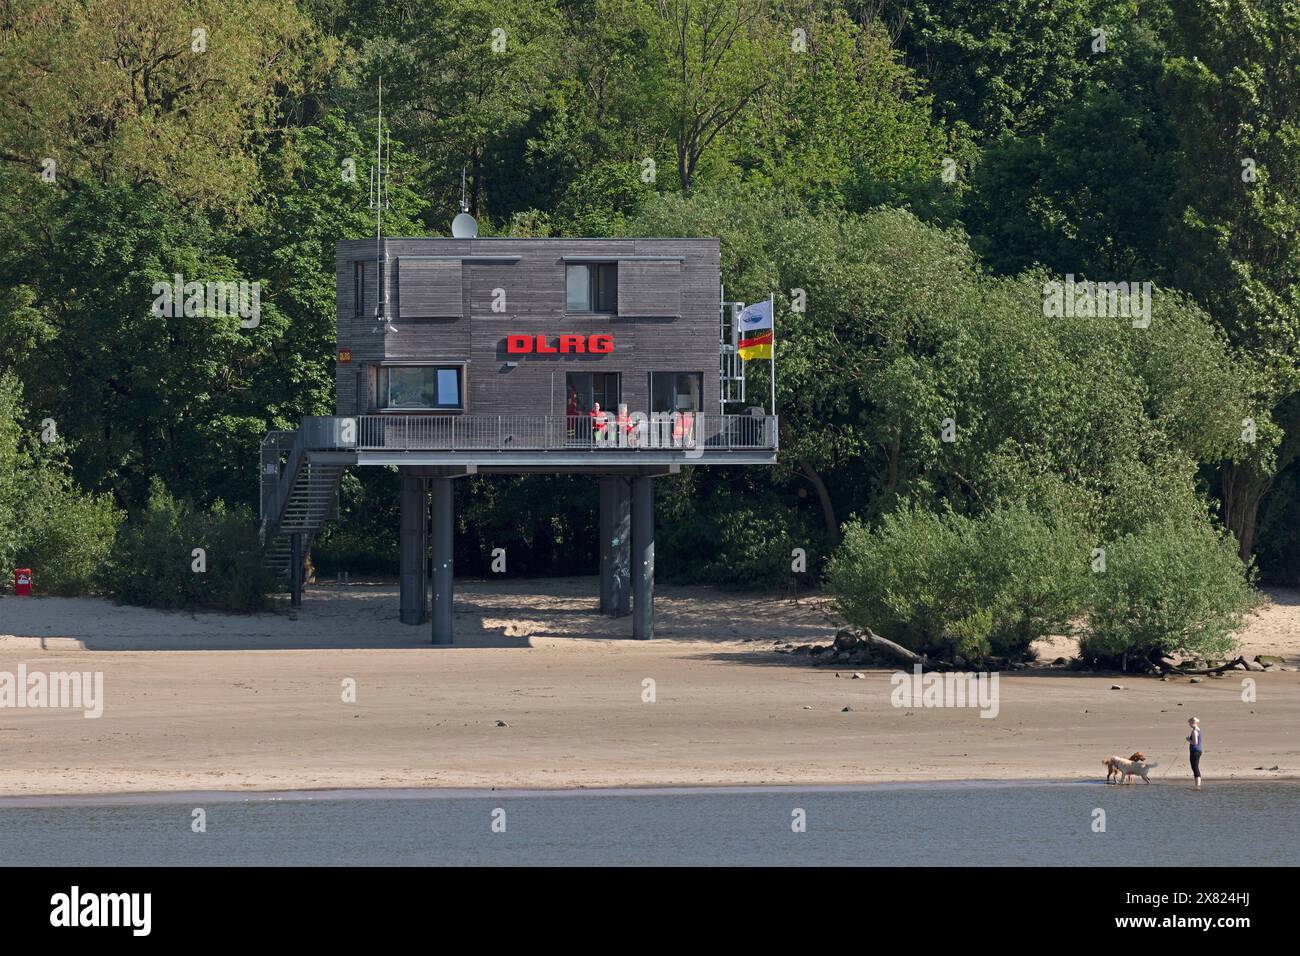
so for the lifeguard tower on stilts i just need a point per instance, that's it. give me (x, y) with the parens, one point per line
(464, 355)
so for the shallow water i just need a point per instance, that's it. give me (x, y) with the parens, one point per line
(947, 824)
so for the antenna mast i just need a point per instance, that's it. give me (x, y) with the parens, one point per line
(464, 226)
(379, 201)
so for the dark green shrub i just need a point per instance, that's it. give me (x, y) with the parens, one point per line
(344, 549)
(12, 462)
(732, 537)
(945, 584)
(152, 560)
(755, 549)
(47, 523)
(1174, 587)
(66, 534)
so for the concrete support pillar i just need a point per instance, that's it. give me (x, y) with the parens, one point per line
(295, 569)
(442, 559)
(414, 503)
(643, 558)
(620, 546)
(605, 547)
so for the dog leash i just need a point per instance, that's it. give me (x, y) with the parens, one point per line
(1165, 766)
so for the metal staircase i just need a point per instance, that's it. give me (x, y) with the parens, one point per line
(298, 496)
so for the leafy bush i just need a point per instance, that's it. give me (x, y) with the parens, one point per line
(1173, 587)
(945, 584)
(346, 549)
(151, 560)
(737, 535)
(12, 463)
(47, 523)
(754, 549)
(66, 534)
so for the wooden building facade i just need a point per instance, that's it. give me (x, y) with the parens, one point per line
(507, 327)
(603, 357)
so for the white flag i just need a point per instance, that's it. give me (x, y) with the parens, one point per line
(756, 316)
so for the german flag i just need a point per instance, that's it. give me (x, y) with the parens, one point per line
(758, 347)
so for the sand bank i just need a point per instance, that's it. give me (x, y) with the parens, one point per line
(239, 702)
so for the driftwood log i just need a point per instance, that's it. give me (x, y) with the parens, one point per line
(1209, 670)
(865, 639)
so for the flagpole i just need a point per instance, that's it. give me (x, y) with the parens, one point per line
(771, 309)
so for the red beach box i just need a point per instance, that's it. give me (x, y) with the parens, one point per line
(22, 581)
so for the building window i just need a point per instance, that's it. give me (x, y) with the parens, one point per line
(585, 389)
(359, 289)
(592, 287)
(416, 387)
(676, 391)
(583, 392)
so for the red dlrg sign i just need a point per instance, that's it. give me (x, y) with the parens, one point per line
(599, 344)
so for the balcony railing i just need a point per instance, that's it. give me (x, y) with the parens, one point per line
(276, 446)
(693, 433)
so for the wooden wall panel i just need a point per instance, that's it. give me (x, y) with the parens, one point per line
(649, 288)
(484, 279)
(684, 342)
(430, 289)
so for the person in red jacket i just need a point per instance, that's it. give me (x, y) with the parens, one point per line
(571, 412)
(597, 420)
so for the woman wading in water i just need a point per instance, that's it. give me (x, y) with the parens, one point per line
(1195, 744)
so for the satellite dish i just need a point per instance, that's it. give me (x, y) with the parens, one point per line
(464, 227)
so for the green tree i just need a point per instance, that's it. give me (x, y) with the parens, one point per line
(842, 121)
(317, 195)
(140, 394)
(14, 463)
(152, 561)
(950, 585)
(1008, 66)
(901, 331)
(714, 59)
(1232, 84)
(1092, 193)
(462, 79)
(182, 93)
(585, 156)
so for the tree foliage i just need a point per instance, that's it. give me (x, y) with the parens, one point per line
(178, 93)
(905, 177)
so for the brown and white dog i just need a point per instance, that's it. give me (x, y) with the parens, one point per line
(1125, 770)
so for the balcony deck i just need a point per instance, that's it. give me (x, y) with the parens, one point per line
(541, 441)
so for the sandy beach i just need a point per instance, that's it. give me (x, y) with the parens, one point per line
(256, 702)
